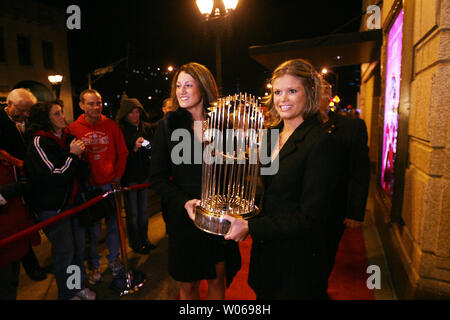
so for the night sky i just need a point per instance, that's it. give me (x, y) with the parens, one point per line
(171, 32)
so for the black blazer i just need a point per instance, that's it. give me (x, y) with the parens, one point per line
(300, 214)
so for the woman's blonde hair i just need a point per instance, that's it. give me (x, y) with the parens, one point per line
(316, 90)
(204, 79)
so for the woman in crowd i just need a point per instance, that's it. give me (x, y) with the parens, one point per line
(292, 242)
(138, 135)
(193, 254)
(52, 163)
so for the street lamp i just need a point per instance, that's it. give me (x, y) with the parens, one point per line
(217, 10)
(205, 7)
(230, 5)
(56, 80)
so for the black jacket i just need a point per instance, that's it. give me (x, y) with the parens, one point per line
(352, 135)
(10, 139)
(299, 217)
(138, 163)
(51, 173)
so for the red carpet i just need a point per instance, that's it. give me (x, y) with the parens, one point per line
(347, 281)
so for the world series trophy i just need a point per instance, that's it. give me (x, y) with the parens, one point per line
(230, 163)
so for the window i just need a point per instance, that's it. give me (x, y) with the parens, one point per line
(391, 104)
(48, 55)
(2, 45)
(24, 50)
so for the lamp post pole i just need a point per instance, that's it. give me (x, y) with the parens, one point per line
(217, 10)
(219, 62)
(55, 81)
(58, 90)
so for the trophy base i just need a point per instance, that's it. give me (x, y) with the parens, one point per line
(216, 224)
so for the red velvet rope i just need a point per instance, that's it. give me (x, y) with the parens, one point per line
(62, 215)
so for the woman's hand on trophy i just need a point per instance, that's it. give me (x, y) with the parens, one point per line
(238, 229)
(190, 207)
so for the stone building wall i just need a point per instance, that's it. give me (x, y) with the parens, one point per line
(425, 207)
(418, 244)
(40, 23)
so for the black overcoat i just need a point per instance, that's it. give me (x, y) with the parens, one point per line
(299, 218)
(351, 133)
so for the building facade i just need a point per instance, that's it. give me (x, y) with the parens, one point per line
(404, 100)
(33, 45)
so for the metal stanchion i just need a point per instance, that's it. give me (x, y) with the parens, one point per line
(131, 280)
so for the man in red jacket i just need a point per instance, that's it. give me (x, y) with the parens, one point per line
(106, 153)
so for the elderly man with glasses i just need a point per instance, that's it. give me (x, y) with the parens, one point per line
(14, 215)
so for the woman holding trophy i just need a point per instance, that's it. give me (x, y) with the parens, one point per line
(176, 175)
(293, 233)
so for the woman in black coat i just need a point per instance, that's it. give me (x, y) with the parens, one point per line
(294, 234)
(176, 175)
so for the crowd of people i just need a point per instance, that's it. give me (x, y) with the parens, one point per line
(48, 167)
(47, 164)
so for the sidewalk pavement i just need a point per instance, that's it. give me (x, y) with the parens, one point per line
(159, 285)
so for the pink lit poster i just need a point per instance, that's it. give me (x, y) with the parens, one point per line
(391, 104)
